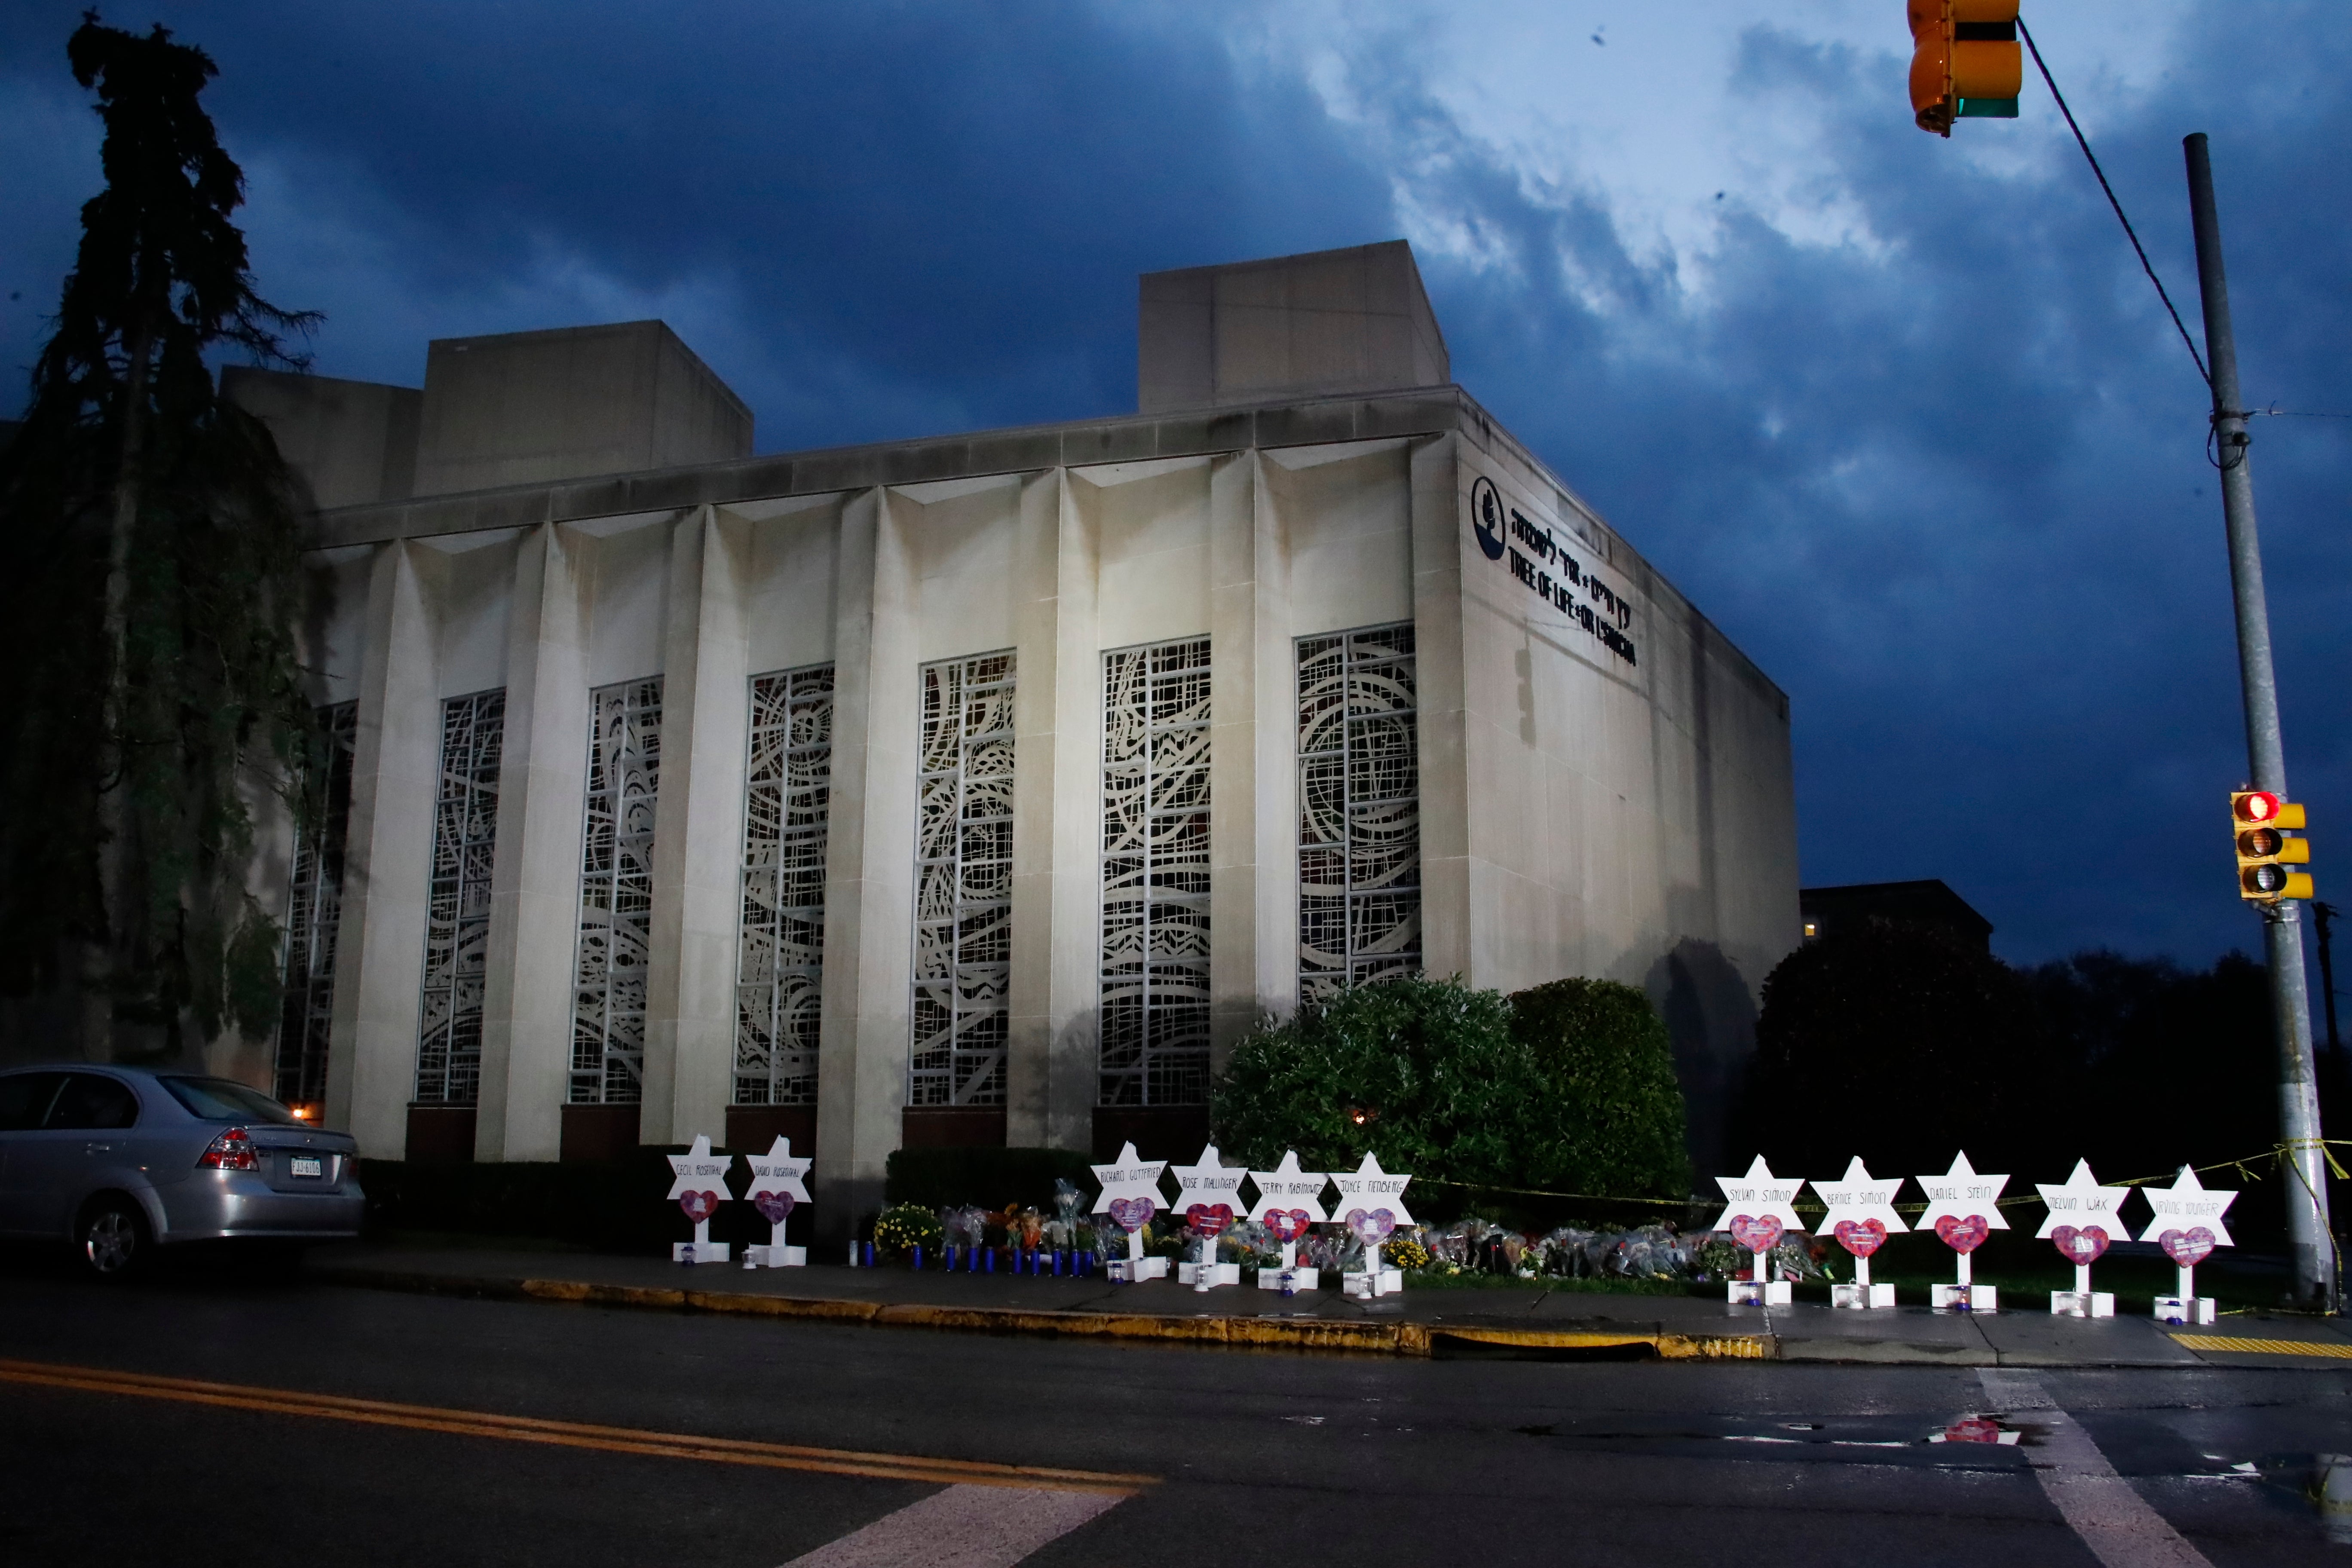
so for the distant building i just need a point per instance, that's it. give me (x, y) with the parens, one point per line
(1925, 903)
(981, 788)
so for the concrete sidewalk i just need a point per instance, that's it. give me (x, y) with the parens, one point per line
(1533, 1322)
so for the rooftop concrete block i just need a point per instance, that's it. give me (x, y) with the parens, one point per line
(1292, 326)
(351, 442)
(529, 407)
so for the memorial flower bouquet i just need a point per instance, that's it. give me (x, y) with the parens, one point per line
(1718, 1258)
(905, 1226)
(1405, 1252)
(1024, 1228)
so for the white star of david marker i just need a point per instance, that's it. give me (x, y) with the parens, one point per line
(777, 1172)
(2081, 1201)
(1288, 1187)
(1758, 1193)
(1368, 1187)
(700, 1171)
(1858, 1195)
(1961, 1193)
(1209, 1181)
(1130, 1176)
(2185, 1205)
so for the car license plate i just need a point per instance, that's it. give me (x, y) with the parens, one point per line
(306, 1165)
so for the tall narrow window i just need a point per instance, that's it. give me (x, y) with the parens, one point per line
(1358, 809)
(1155, 875)
(779, 952)
(617, 895)
(457, 916)
(313, 912)
(963, 883)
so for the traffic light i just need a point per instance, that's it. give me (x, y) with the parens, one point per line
(1965, 62)
(2261, 819)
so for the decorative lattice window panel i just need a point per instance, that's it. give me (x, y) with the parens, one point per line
(780, 950)
(963, 883)
(617, 895)
(1155, 876)
(458, 913)
(313, 912)
(1358, 809)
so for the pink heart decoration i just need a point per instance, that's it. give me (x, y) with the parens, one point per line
(698, 1206)
(1371, 1228)
(1209, 1219)
(2187, 1247)
(773, 1208)
(1130, 1214)
(1285, 1225)
(2083, 1246)
(1861, 1237)
(1963, 1234)
(1756, 1233)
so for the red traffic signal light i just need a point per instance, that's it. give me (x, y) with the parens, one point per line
(2263, 809)
(1965, 61)
(2264, 851)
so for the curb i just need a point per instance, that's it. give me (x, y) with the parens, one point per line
(1414, 1341)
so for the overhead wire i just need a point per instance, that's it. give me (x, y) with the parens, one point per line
(2129, 233)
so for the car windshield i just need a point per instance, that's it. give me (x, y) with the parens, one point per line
(218, 1099)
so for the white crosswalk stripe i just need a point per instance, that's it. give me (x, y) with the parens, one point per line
(962, 1527)
(2114, 1521)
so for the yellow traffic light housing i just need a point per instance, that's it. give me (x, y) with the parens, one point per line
(2261, 821)
(1965, 61)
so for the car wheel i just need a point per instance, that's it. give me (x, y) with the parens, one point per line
(112, 1240)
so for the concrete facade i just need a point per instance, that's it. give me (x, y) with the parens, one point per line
(1599, 780)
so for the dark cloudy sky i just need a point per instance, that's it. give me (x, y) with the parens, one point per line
(1899, 413)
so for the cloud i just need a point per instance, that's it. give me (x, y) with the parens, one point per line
(1937, 467)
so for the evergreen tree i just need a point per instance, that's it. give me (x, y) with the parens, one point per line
(149, 627)
(1903, 1044)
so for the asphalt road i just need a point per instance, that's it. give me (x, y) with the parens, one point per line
(1272, 1459)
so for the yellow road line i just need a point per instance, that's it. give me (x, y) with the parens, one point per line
(2230, 1343)
(573, 1433)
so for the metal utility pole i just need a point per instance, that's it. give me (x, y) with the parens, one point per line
(2322, 915)
(2309, 1230)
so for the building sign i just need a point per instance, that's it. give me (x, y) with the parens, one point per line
(1543, 566)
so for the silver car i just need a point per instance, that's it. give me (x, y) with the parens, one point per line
(121, 1160)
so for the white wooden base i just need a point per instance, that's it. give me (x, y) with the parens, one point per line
(1862, 1296)
(2082, 1303)
(2185, 1310)
(775, 1258)
(1760, 1292)
(697, 1252)
(1300, 1279)
(1964, 1298)
(1135, 1270)
(1218, 1273)
(1365, 1283)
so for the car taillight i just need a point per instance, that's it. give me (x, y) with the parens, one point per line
(232, 1151)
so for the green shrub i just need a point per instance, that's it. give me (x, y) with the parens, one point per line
(1566, 1088)
(1610, 1070)
(1423, 1073)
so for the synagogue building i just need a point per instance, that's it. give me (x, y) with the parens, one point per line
(981, 788)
